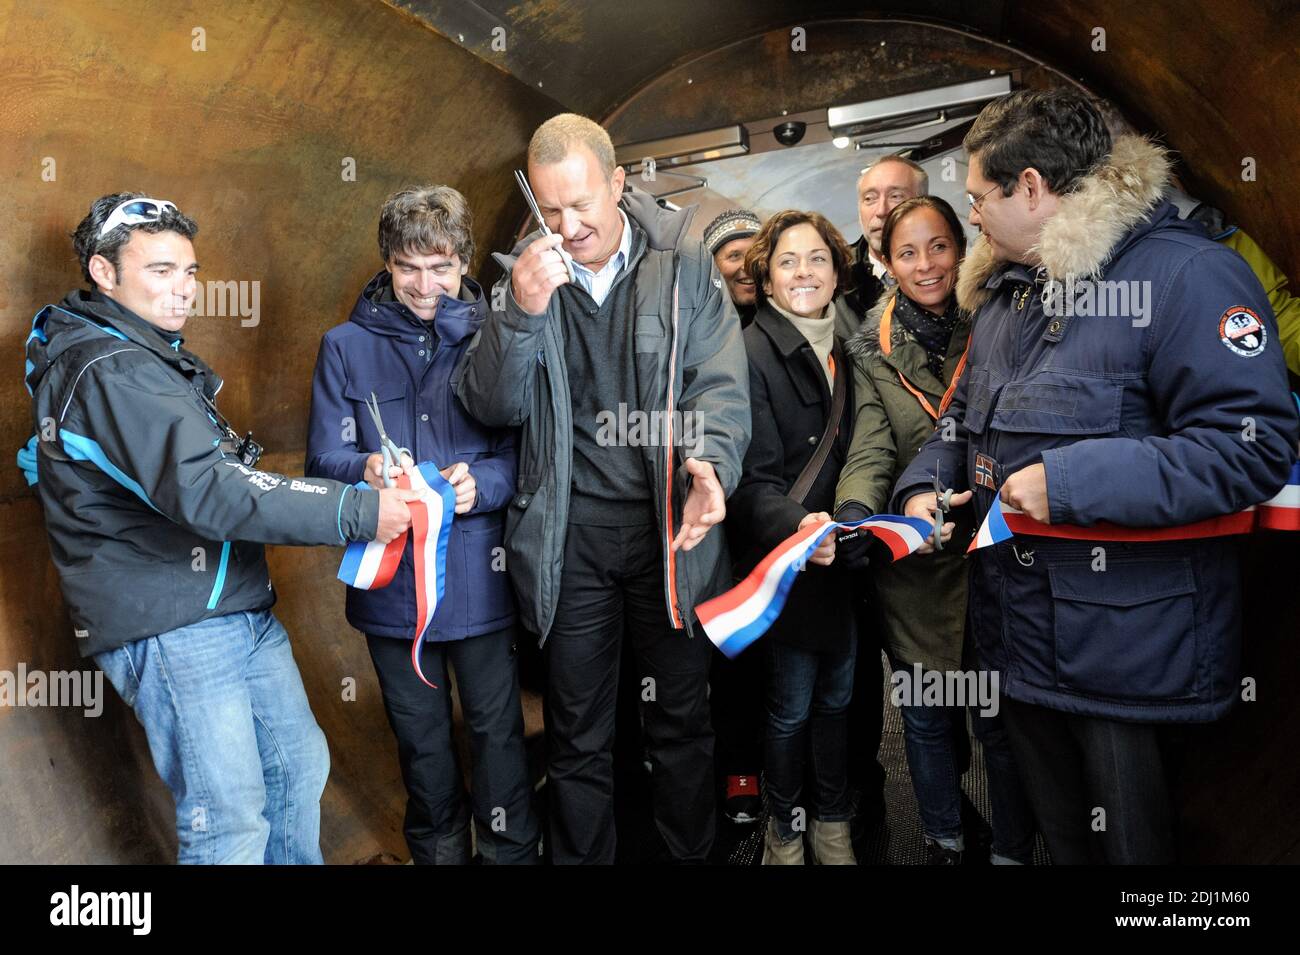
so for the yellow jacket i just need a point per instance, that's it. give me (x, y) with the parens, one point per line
(1286, 307)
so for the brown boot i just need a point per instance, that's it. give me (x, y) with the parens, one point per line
(776, 852)
(831, 844)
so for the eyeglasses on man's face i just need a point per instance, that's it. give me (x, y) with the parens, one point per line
(975, 201)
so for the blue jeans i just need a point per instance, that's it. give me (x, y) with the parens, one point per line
(231, 735)
(928, 734)
(807, 691)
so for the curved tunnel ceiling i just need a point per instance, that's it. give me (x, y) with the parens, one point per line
(589, 55)
(1176, 69)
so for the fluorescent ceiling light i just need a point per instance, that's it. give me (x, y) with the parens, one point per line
(860, 118)
(683, 150)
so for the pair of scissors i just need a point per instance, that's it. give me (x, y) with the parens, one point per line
(387, 446)
(944, 497)
(527, 190)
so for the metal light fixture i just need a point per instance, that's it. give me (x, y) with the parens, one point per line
(686, 149)
(910, 110)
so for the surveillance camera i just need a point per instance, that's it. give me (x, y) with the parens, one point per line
(789, 133)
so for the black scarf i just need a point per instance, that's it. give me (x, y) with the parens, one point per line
(933, 332)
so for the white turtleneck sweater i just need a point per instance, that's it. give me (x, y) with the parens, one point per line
(819, 331)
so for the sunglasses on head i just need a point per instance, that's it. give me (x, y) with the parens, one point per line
(133, 212)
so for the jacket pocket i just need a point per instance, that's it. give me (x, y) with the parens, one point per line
(123, 666)
(649, 333)
(527, 553)
(1055, 403)
(391, 396)
(485, 574)
(981, 392)
(1128, 631)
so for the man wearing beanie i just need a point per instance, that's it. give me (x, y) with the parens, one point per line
(728, 238)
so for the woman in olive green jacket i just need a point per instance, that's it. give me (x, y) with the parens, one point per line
(908, 357)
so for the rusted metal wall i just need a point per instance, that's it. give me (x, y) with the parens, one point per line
(249, 136)
(1217, 80)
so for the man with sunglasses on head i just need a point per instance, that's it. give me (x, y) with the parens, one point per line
(157, 516)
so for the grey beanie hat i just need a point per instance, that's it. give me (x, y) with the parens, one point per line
(732, 224)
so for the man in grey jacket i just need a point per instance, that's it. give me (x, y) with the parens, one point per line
(156, 515)
(631, 387)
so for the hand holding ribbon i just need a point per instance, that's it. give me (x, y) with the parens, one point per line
(825, 552)
(460, 478)
(1026, 491)
(370, 565)
(740, 616)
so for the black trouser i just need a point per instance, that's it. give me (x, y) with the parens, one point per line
(1097, 786)
(736, 702)
(487, 682)
(866, 709)
(613, 584)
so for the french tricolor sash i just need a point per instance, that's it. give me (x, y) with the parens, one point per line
(369, 565)
(735, 619)
(1279, 513)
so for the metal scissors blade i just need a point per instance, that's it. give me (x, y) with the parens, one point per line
(527, 190)
(372, 405)
(388, 449)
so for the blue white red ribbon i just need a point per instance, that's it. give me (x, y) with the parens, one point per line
(371, 565)
(740, 616)
(1280, 513)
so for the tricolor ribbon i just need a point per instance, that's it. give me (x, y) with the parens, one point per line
(370, 565)
(735, 619)
(1282, 511)
(1279, 513)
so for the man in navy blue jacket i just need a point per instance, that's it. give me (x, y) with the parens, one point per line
(1124, 369)
(403, 342)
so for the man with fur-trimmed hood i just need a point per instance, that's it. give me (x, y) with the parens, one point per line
(1125, 388)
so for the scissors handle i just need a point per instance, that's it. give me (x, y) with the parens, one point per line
(392, 456)
(943, 501)
(388, 448)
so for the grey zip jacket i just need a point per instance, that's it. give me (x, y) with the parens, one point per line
(690, 368)
(153, 523)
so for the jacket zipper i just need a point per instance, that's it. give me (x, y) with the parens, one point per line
(670, 565)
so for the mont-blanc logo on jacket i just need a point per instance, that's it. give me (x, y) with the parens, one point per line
(259, 479)
(1242, 331)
